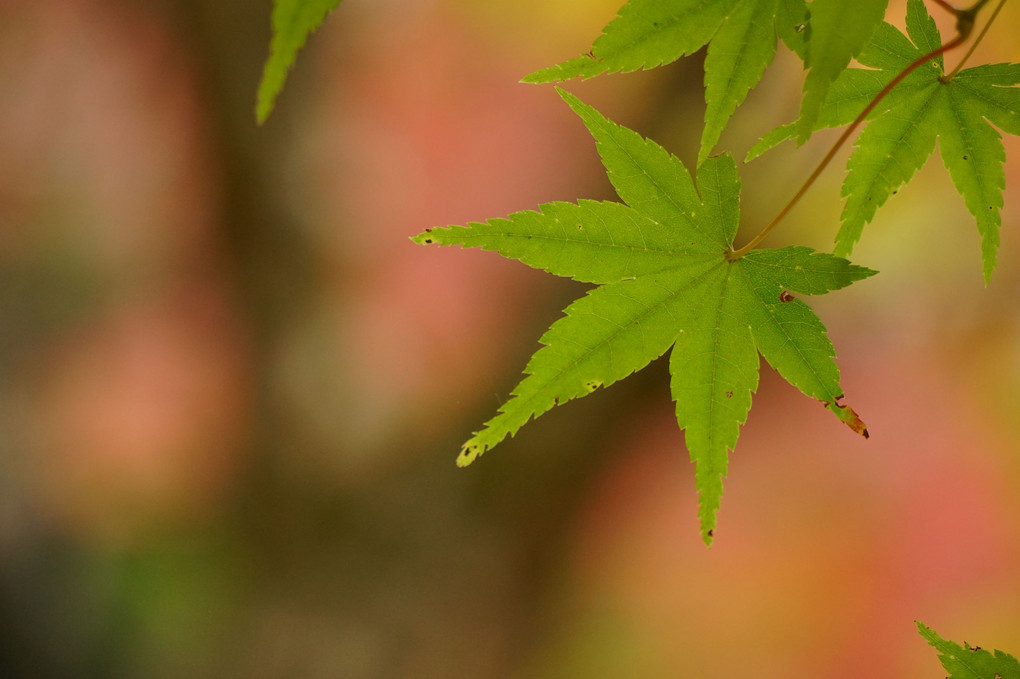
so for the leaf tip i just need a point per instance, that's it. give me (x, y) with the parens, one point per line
(708, 512)
(265, 99)
(988, 269)
(292, 22)
(929, 635)
(571, 100)
(848, 416)
(862, 272)
(541, 76)
(262, 113)
(469, 452)
(424, 238)
(704, 153)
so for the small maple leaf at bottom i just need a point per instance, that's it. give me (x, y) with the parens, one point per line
(664, 281)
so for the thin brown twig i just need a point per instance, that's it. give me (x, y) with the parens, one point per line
(977, 41)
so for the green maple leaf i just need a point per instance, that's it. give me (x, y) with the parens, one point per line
(902, 130)
(741, 35)
(971, 663)
(293, 21)
(839, 30)
(665, 279)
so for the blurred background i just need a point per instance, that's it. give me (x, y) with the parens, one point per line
(233, 390)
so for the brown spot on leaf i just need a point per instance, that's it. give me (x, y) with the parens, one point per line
(729, 394)
(785, 296)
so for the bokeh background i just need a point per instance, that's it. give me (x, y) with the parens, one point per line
(233, 390)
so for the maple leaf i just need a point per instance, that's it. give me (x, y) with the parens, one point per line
(971, 663)
(665, 279)
(293, 21)
(839, 30)
(741, 35)
(902, 130)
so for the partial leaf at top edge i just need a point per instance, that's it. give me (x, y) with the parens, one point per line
(737, 57)
(793, 25)
(293, 21)
(970, 662)
(839, 30)
(645, 34)
(923, 32)
(741, 39)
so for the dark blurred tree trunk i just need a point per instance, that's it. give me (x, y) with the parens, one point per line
(432, 571)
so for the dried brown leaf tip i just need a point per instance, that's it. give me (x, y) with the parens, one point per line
(848, 416)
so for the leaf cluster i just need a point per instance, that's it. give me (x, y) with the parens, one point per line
(667, 273)
(961, 111)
